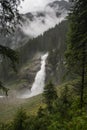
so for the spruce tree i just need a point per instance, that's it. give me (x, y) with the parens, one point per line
(9, 17)
(76, 55)
(50, 95)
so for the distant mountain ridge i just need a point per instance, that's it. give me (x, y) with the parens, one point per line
(36, 23)
(57, 6)
(61, 4)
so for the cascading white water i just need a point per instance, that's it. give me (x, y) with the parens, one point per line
(1, 96)
(38, 85)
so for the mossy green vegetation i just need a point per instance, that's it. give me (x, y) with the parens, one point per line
(63, 107)
(65, 112)
(8, 107)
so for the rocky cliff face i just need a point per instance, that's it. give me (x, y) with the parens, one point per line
(28, 72)
(55, 67)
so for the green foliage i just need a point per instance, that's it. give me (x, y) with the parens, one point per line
(63, 103)
(9, 15)
(56, 126)
(9, 53)
(62, 111)
(78, 123)
(77, 36)
(40, 112)
(50, 95)
(76, 54)
(19, 120)
(65, 115)
(12, 57)
(7, 126)
(4, 89)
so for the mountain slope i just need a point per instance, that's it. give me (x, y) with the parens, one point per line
(51, 40)
(36, 23)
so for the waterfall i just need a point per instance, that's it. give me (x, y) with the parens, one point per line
(1, 96)
(38, 85)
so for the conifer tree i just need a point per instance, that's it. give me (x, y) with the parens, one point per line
(50, 95)
(76, 55)
(19, 120)
(9, 17)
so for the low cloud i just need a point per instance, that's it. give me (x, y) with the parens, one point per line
(42, 24)
(34, 5)
(39, 25)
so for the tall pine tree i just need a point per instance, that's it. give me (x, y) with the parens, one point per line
(76, 55)
(50, 95)
(9, 18)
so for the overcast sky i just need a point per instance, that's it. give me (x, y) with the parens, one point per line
(33, 5)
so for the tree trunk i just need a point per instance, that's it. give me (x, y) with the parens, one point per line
(83, 76)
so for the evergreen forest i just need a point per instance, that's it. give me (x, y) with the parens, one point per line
(63, 103)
